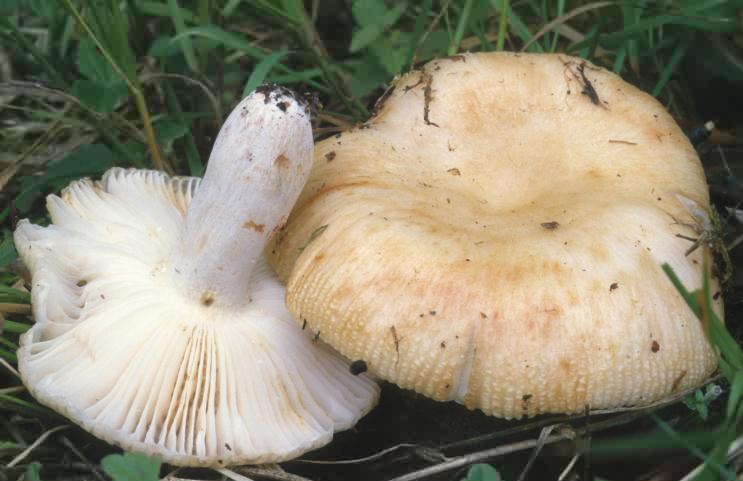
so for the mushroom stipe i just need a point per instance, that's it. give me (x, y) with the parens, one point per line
(158, 324)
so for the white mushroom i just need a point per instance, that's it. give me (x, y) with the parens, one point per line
(160, 327)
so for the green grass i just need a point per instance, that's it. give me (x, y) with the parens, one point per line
(89, 84)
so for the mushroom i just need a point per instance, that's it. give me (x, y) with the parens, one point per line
(159, 326)
(494, 235)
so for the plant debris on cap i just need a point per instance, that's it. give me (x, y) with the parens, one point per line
(159, 325)
(495, 235)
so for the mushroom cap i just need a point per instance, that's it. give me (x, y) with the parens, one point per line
(494, 235)
(120, 351)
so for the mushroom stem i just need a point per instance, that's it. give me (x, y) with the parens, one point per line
(258, 166)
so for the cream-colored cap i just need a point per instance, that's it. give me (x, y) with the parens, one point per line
(495, 233)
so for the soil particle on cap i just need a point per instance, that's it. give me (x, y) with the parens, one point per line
(427, 79)
(614, 285)
(282, 97)
(588, 89)
(396, 340)
(381, 101)
(315, 234)
(408, 88)
(454, 171)
(677, 381)
(525, 401)
(550, 225)
(456, 58)
(655, 347)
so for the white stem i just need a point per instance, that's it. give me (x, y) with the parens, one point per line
(257, 168)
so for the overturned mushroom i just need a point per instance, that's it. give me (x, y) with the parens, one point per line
(160, 327)
(494, 236)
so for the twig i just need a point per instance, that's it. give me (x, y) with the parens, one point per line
(540, 444)
(568, 468)
(334, 120)
(471, 458)
(630, 414)
(15, 308)
(14, 432)
(49, 133)
(483, 455)
(271, 471)
(82, 458)
(232, 475)
(634, 411)
(365, 459)
(428, 31)
(22, 455)
(10, 368)
(735, 243)
(32, 89)
(212, 98)
(326, 130)
(12, 389)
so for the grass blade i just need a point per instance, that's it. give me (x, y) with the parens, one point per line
(516, 24)
(262, 69)
(238, 43)
(560, 20)
(183, 40)
(195, 165)
(678, 54)
(13, 327)
(464, 19)
(619, 61)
